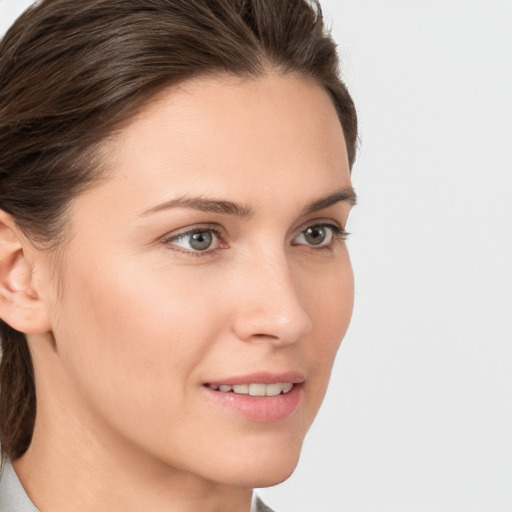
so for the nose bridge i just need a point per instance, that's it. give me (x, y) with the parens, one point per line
(270, 306)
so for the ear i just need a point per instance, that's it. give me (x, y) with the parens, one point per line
(20, 304)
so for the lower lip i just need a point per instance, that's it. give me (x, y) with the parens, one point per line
(260, 408)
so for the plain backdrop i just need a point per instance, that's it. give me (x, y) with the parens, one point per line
(419, 413)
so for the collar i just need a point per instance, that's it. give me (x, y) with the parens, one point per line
(13, 497)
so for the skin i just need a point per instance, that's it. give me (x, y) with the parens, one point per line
(140, 322)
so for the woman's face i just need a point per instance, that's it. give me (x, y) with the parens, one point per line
(212, 257)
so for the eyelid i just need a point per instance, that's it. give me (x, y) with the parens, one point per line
(338, 232)
(212, 228)
(192, 229)
(337, 226)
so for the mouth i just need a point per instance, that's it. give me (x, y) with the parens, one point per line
(259, 397)
(254, 389)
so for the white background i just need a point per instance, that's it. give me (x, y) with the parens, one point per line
(419, 413)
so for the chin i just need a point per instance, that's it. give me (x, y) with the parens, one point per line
(271, 478)
(266, 470)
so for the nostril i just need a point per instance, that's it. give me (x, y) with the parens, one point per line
(265, 336)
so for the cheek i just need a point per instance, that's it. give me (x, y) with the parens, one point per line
(131, 338)
(329, 300)
(328, 295)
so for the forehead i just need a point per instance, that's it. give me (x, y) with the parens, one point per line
(250, 137)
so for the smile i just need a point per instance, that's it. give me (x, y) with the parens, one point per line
(261, 397)
(255, 389)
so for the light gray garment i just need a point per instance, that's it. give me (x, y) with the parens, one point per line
(13, 497)
(259, 506)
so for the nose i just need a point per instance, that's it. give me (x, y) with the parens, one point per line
(268, 305)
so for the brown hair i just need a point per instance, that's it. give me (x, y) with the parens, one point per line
(72, 72)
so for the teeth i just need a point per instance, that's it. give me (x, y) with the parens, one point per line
(242, 389)
(274, 389)
(287, 387)
(256, 389)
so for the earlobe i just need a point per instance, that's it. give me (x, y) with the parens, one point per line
(20, 305)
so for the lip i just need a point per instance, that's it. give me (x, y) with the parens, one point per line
(261, 378)
(263, 409)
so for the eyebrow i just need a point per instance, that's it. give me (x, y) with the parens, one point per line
(346, 194)
(204, 205)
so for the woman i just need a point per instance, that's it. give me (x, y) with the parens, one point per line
(174, 283)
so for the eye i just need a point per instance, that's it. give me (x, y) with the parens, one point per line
(196, 240)
(319, 235)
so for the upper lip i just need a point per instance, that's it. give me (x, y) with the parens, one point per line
(260, 378)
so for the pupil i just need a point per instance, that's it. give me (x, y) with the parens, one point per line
(201, 241)
(315, 235)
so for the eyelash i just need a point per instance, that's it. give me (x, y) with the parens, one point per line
(338, 235)
(208, 228)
